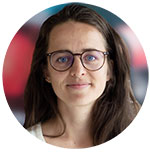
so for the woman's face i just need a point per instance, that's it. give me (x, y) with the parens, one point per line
(77, 86)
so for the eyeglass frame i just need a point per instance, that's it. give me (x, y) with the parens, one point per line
(106, 53)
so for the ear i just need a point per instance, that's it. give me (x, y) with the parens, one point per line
(110, 70)
(46, 75)
(108, 75)
(48, 79)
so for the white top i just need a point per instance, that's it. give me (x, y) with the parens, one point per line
(36, 130)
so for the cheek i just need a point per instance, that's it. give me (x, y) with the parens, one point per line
(57, 81)
(54, 76)
(100, 78)
(101, 81)
(56, 85)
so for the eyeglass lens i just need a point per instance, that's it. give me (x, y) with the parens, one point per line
(91, 60)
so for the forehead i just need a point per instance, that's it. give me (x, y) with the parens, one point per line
(75, 36)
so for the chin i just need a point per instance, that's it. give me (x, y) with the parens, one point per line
(80, 101)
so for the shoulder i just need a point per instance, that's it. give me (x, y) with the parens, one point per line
(36, 130)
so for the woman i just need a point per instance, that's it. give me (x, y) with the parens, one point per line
(78, 93)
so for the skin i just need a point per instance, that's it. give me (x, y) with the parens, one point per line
(77, 88)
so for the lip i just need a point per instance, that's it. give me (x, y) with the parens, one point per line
(78, 85)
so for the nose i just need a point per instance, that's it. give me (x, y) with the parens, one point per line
(77, 69)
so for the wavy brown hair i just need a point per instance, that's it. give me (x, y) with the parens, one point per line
(115, 108)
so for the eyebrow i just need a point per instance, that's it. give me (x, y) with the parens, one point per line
(89, 49)
(85, 49)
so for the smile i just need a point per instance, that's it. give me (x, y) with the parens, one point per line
(79, 86)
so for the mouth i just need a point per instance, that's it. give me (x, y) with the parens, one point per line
(79, 85)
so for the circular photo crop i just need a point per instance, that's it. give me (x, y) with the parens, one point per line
(75, 75)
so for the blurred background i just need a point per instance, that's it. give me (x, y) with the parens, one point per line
(18, 58)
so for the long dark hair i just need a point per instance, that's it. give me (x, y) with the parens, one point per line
(115, 108)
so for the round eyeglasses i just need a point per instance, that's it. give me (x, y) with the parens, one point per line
(62, 60)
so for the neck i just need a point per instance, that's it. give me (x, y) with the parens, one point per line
(77, 119)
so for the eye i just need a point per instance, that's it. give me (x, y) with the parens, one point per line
(90, 58)
(63, 59)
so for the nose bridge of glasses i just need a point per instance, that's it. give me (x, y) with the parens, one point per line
(77, 62)
(76, 54)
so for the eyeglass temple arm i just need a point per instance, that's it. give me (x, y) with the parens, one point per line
(48, 54)
(106, 53)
